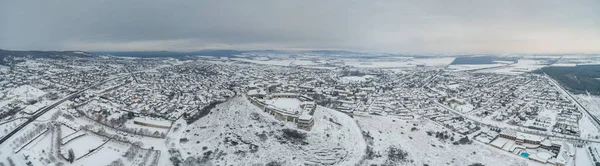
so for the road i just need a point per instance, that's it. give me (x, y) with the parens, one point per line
(43, 110)
(432, 78)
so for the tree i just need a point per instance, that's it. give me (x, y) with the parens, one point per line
(118, 162)
(146, 131)
(71, 156)
(69, 117)
(10, 161)
(101, 131)
(130, 115)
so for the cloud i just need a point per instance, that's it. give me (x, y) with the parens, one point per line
(429, 26)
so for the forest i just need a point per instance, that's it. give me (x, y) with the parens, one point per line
(578, 79)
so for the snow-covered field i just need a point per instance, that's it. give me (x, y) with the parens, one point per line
(238, 133)
(587, 126)
(564, 64)
(400, 63)
(82, 145)
(22, 93)
(502, 67)
(473, 67)
(421, 148)
(591, 103)
(279, 62)
(522, 66)
(105, 154)
(25, 92)
(587, 157)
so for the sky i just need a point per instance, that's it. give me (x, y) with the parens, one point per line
(393, 26)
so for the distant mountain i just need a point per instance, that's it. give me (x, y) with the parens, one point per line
(10, 57)
(214, 53)
(231, 53)
(159, 54)
(44, 54)
(335, 52)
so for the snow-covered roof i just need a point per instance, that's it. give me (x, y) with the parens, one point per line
(284, 94)
(307, 102)
(305, 117)
(509, 133)
(256, 92)
(153, 121)
(530, 137)
(499, 142)
(546, 142)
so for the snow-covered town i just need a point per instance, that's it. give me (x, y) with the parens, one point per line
(291, 108)
(300, 83)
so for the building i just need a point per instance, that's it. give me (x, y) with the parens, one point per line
(529, 139)
(283, 95)
(152, 123)
(536, 148)
(509, 134)
(565, 155)
(299, 114)
(257, 93)
(305, 122)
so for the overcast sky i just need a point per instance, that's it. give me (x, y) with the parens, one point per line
(396, 26)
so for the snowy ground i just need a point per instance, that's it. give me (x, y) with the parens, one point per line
(82, 145)
(421, 148)
(473, 67)
(586, 157)
(522, 66)
(587, 126)
(400, 63)
(25, 92)
(280, 62)
(238, 133)
(7, 126)
(591, 103)
(43, 150)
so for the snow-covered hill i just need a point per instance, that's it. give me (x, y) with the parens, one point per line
(421, 142)
(238, 133)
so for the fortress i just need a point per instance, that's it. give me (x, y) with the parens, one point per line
(290, 107)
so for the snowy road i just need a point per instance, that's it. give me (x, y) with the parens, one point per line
(43, 110)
